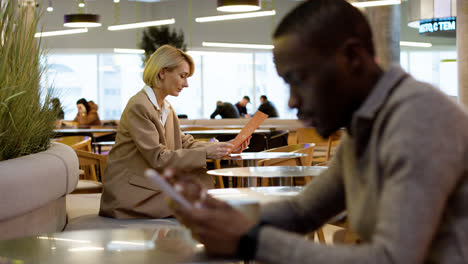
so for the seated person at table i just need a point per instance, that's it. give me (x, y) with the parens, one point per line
(149, 136)
(57, 107)
(87, 113)
(267, 107)
(401, 171)
(242, 106)
(225, 110)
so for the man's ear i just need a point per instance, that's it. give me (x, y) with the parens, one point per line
(354, 53)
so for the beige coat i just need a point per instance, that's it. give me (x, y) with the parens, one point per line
(143, 142)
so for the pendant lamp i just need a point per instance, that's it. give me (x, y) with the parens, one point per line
(81, 20)
(238, 5)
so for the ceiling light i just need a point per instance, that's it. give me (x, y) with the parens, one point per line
(81, 5)
(81, 20)
(415, 44)
(376, 3)
(143, 24)
(236, 45)
(49, 7)
(60, 32)
(235, 16)
(116, 1)
(238, 5)
(130, 51)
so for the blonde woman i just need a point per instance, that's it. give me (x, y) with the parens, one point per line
(149, 136)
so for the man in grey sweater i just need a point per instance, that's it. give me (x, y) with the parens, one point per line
(400, 172)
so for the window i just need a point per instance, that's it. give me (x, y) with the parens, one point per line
(72, 77)
(112, 79)
(438, 68)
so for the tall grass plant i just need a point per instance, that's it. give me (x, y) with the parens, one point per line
(26, 116)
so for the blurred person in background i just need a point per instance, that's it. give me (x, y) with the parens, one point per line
(267, 107)
(87, 113)
(242, 106)
(57, 107)
(225, 110)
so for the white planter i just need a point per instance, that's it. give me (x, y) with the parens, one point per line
(33, 190)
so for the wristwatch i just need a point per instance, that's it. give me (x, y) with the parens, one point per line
(247, 247)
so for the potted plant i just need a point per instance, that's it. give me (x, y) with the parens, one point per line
(35, 175)
(155, 37)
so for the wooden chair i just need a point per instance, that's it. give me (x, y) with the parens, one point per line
(323, 147)
(306, 148)
(90, 160)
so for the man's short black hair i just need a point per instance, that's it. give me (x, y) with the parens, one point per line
(326, 24)
(264, 97)
(247, 98)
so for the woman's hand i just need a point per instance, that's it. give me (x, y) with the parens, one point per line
(218, 150)
(243, 146)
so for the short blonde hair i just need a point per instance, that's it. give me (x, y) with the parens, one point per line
(165, 57)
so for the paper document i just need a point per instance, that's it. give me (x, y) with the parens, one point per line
(249, 128)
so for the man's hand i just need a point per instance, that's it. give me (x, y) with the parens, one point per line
(216, 224)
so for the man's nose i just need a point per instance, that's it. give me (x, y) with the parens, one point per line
(292, 102)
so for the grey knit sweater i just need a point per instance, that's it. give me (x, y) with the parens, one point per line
(401, 174)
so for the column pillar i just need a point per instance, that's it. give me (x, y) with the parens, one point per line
(462, 51)
(385, 24)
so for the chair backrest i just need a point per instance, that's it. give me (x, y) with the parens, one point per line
(91, 160)
(324, 147)
(84, 145)
(309, 134)
(75, 142)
